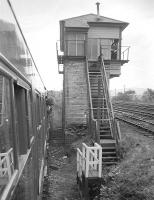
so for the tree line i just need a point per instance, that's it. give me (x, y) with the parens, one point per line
(130, 95)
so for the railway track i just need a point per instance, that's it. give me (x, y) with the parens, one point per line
(138, 115)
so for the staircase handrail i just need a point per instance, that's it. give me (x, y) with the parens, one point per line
(93, 122)
(106, 84)
(113, 124)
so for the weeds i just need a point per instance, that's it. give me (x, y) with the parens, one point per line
(133, 177)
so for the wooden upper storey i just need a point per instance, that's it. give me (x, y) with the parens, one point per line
(85, 35)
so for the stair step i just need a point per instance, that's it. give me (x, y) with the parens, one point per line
(106, 134)
(102, 127)
(105, 137)
(108, 153)
(109, 163)
(95, 106)
(109, 157)
(94, 70)
(104, 131)
(102, 119)
(99, 98)
(91, 73)
(110, 146)
(107, 144)
(100, 108)
(108, 149)
(111, 141)
(95, 96)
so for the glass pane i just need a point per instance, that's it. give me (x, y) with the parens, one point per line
(93, 49)
(13, 47)
(106, 48)
(71, 48)
(80, 48)
(5, 127)
(30, 115)
(71, 36)
(80, 36)
(6, 150)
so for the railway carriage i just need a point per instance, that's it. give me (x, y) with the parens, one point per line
(23, 119)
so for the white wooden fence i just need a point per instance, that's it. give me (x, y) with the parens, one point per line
(89, 161)
(6, 166)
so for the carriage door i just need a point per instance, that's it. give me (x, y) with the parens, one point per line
(21, 119)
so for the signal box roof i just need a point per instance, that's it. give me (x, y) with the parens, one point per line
(84, 21)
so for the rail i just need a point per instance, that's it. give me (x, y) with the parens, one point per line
(136, 114)
(6, 166)
(110, 49)
(125, 52)
(59, 58)
(89, 161)
(115, 131)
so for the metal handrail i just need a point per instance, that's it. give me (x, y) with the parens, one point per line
(120, 53)
(89, 90)
(93, 122)
(58, 54)
(108, 102)
(113, 124)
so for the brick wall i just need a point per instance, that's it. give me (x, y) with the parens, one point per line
(76, 101)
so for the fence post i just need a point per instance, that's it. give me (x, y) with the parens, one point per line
(83, 158)
(100, 161)
(77, 161)
(87, 163)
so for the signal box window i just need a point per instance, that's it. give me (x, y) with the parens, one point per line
(75, 44)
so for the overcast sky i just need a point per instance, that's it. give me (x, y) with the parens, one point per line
(40, 23)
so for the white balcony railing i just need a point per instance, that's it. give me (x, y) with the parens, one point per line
(6, 166)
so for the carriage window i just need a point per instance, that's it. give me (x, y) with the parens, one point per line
(21, 119)
(29, 113)
(38, 117)
(5, 115)
(6, 149)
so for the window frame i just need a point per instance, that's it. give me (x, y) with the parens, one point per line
(2, 110)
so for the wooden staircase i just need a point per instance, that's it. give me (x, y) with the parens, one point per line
(102, 113)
